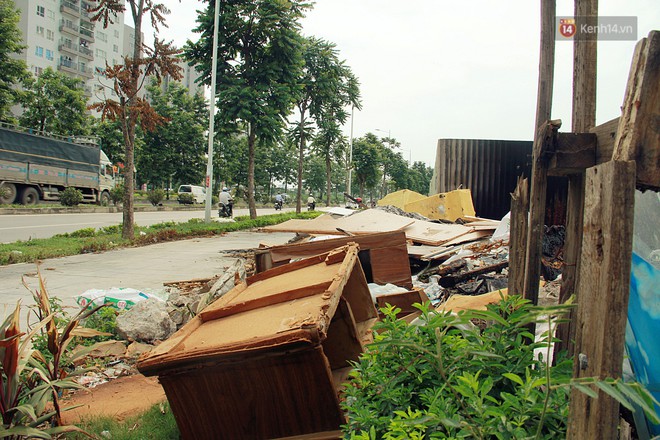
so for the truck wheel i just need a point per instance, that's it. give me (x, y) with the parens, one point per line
(7, 193)
(105, 198)
(30, 196)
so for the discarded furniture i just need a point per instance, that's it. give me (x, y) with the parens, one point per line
(384, 256)
(266, 360)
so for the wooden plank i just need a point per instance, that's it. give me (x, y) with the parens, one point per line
(573, 153)
(638, 134)
(542, 144)
(605, 134)
(518, 236)
(435, 234)
(387, 266)
(603, 290)
(245, 306)
(371, 221)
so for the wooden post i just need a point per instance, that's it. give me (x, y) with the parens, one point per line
(543, 144)
(518, 237)
(638, 135)
(584, 118)
(603, 287)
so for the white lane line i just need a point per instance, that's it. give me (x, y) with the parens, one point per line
(53, 226)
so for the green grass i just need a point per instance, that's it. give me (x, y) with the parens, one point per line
(152, 424)
(89, 240)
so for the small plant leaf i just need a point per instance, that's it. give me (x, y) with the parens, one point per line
(514, 378)
(586, 390)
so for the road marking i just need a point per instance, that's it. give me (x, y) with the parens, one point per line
(53, 226)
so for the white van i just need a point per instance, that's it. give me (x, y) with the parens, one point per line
(198, 193)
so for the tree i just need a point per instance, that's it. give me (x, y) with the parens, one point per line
(127, 81)
(328, 85)
(111, 138)
(12, 71)
(366, 160)
(54, 102)
(259, 62)
(175, 152)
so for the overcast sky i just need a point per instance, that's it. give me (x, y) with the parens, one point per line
(432, 69)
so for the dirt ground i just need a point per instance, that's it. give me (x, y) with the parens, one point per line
(120, 398)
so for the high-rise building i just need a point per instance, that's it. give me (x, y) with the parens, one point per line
(60, 34)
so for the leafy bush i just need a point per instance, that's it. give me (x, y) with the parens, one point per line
(156, 196)
(185, 198)
(117, 194)
(105, 321)
(85, 232)
(214, 200)
(4, 192)
(450, 378)
(71, 197)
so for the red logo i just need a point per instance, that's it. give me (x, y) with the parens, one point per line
(567, 27)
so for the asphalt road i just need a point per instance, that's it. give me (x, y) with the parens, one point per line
(27, 226)
(144, 268)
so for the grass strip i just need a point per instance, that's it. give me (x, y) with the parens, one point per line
(89, 240)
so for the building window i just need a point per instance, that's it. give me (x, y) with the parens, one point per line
(101, 53)
(115, 48)
(49, 54)
(116, 33)
(41, 11)
(40, 30)
(101, 36)
(39, 51)
(51, 14)
(50, 35)
(38, 70)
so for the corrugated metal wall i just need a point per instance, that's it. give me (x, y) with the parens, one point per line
(489, 168)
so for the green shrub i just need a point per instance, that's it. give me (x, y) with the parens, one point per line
(71, 197)
(214, 200)
(156, 196)
(117, 194)
(85, 232)
(4, 192)
(185, 198)
(105, 320)
(471, 375)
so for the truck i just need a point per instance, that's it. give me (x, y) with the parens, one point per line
(35, 166)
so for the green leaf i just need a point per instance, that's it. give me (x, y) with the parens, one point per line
(23, 431)
(585, 389)
(514, 377)
(614, 393)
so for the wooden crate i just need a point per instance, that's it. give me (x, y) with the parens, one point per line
(266, 359)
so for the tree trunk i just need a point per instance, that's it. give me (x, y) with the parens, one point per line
(301, 155)
(251, 201)
(328, 177)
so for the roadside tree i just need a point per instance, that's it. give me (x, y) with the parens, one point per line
(174, 154)
(366, 161)
(55, 103)
(259, 63)
(12, 71)
(129, 78)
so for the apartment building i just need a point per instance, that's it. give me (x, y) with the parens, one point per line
(60, 34)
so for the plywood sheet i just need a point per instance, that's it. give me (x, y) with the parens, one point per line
(434, 234)
(371, 221)
(324, 224)
(456, 303)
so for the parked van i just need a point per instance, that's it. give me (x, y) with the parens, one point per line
(198, 193)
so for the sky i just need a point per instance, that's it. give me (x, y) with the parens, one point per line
(438, 69)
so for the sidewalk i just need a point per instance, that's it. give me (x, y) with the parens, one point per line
(144, 268)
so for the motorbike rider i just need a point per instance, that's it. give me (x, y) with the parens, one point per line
(311, 202)
(225, 200)
(278, 200)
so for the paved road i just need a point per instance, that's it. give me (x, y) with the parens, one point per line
(144, 268)
(26, 226)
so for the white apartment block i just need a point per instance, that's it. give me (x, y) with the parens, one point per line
(60, 34)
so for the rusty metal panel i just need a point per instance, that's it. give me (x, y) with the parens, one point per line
(489, 168)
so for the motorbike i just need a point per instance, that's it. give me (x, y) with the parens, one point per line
(278, 205)
(226, 210)
(311, 206)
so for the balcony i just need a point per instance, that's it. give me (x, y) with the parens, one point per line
(68, 46)
(87, 33)
(67, 66)
(84, 12)
(70, 8)
(69, 27)
(85, 52)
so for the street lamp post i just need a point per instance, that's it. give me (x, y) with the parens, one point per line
(389, 136)
(214, 68)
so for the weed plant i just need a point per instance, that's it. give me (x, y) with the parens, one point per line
(448, 378)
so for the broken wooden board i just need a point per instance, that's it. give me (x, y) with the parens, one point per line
(368, 221)
(384, 255)
(400, 198)
(284, 332)
(450, 206)
(456, 303)
(470, 236)
(435, 234)
(420, 251)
